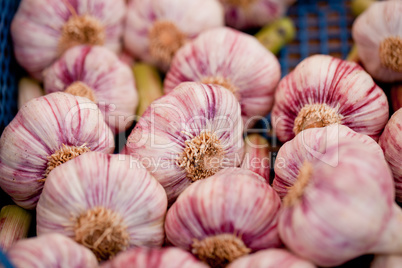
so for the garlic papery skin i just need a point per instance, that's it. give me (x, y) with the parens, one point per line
(225, 217)
(271, 258)
(42, 30)
(333, 214)
(156, 29)
(378, 37)
(323, 90)
(234, 60)
(257, 157)
(188, 135)
(386, 261)
(98, 74)
(104, 202)
(45, 133)
(51, 250)
(154, 258)
(243, 14)
(312, 144)
(391, 144)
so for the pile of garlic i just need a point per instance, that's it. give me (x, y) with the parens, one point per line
(194, 185)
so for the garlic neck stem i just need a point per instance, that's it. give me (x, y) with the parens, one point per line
(297, 190)
(219, 250)
(80, 89)
(316, 115)
(391, 53)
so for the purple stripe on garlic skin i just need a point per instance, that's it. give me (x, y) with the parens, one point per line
(271, 258)
(236, 205)
(189, 18)
(110, 82)
(324, 90)
(336, 213)
(119, 187)
(37, 29)
(377, 34)
(312, 144)
(51, 250)
(154, 258)
(391, 143)
(234, 60)
(41, 128)
(386, 261)
(166, 129)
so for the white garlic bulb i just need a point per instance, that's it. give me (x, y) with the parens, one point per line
(378, 37)
(98, 74)
(51, 250)
(43, 29)
(104, 202)
(46, 132)
(156, 29)
(234, 60)
(188, 135)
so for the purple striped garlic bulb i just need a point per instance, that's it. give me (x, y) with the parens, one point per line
(391, 144)
(378, 37)
(51, 250)
(386, 261)
(312, 144)
(225, 217)
(154, 258)
(257, 155)
(156, 29)
(47, 132)
(104, 202)
(243, 14)
(271, 258)
(324, 90)
(188, 135)
(43, 29)
(333, 214)
(97, 74)
(234, 60)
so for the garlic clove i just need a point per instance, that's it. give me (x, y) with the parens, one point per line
(257, 155)
(156, 29)
(40, 37)
(233, 60)
(51, 250)
(391, 144)
(46, 132)
(188, 135)
(107, 203)
(98, 74)
(225, 217)
(154, 258)
(14, 225)
(386, 261)
(338, 92)
(28, 89)
(271, 258)
(312, 144)
(378, 37)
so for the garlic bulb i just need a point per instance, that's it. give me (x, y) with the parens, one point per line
(14, 225)
(225, 217)
(46, 132)
(386, 261)
(104, 202)
(242, 14)
(271, 258)
(378, 37)
(98, 74)
(156, 29)
(51, 250)
(313, 144)
(188, 135)
(391, 143)
(233, 60)
(43, 29)
(324, 90)
(257, 155)
(335, 213)
(154, 258)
